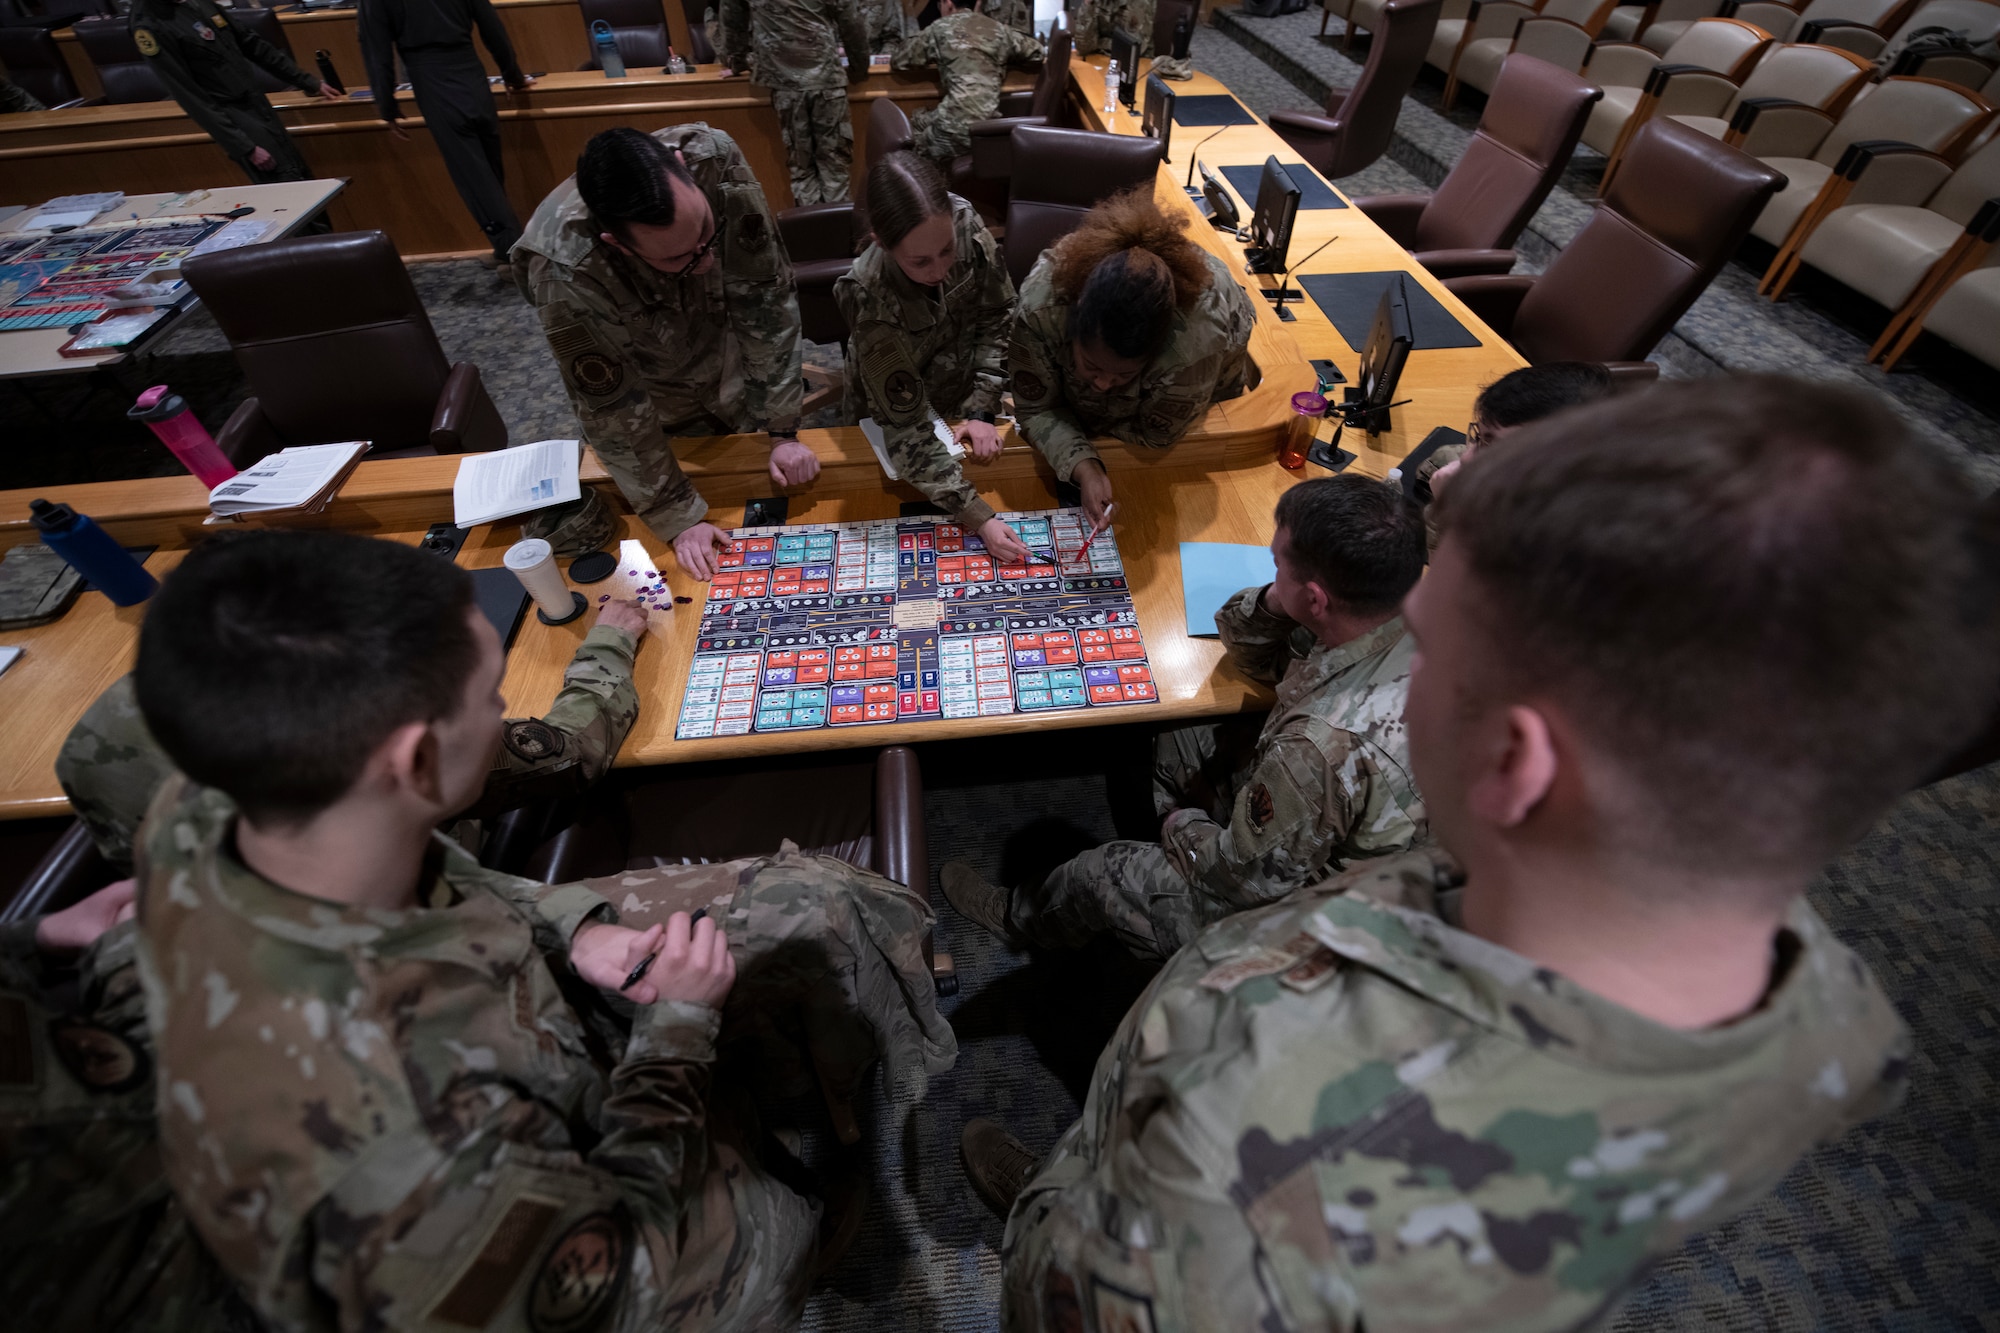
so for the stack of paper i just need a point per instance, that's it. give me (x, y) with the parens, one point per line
(75, 210)
(515, 481)
(303, 479)
(239, 231)
(881, 448)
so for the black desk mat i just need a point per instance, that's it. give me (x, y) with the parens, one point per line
(1313, 192)
(1211, 109)
(1349, 300)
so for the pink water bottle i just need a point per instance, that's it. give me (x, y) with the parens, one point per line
(167, 415)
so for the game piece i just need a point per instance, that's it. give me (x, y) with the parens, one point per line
(910, 619)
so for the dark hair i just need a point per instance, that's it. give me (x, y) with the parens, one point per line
(623, 174)
(903, 191)
(1753, 593)
(272, 664)
(1125, 270)
(1534, 392)
(1361, 540)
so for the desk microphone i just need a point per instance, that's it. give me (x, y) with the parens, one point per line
(1279, 297)
(1189, 187)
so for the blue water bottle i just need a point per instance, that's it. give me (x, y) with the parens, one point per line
(90, 551)
(609, 59)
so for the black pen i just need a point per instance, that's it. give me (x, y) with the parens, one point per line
(632, 978)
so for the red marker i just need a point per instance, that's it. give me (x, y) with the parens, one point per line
(1102, 525)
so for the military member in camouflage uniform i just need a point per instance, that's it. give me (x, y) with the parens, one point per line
(1016, 14)
(13, 97)
(888, 25)
(1418, 1098)
(1094, 20)
(210, 66)
(709, 346)
(789, 47)
(971, 52)
(1328, 782)
(1516, 399)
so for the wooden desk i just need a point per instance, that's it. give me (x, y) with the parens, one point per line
(291, 205)
(403, 188)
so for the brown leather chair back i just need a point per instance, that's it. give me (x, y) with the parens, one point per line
(1052, 85)
(34, 61)
(1525, 138)
(638, 26)
(1365, 115)
(1678, 208)
(701, 53)
(330, 335)
(1059, 175)
(120, 67)
(70, 9)
(264, 22)
(1167, 17)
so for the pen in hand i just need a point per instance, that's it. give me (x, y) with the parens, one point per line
(632, 977)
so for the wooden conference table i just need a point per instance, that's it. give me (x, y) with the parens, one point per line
(1219, 484)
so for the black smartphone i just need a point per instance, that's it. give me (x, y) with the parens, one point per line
(327, 74)
(768, 512)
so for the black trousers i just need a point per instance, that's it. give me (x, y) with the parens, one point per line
(457, 106)
(259, 120)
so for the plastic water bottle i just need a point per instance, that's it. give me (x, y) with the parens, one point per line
(90, 551)
(1111, 89)
(606, 42)
(168, 417)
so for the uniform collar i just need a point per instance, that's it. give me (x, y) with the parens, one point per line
(1326, 661)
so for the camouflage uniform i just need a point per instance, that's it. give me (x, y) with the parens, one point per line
(1329, 783)
(395, 1118)
(971, 52)
(13, 97)
(111, 767)
(1016, 14)
(923, 352)
(646, 355)
(1203, 362)
(1342, 1109)
(788, 46)
(888, 25)
(1092, 24)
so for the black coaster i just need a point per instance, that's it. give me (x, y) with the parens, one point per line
(592, 567)
(581, 607)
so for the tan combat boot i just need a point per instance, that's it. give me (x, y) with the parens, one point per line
(998, 1164)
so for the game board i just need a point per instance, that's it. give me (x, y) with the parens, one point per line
(846, 624)
(55, 281)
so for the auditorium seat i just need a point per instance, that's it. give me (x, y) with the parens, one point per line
(336, 346)
(1353, 129)
(638, 26)
(1623, 69)
(981, 175)
(1560, 32)
(264, 22)
(1670, 221)
(33, 59)
(1060, 175)
(1525, 138)
(120, 67)
(1976, 21)
(1967, 314)
(1852, 25)
(1660, 24)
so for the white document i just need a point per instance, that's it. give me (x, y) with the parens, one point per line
(239, 231)
(8, 656)
(881, 448)
(75, 210)
(288, 479)
(515, 481)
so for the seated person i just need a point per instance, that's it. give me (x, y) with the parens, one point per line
(1329, 780)
(927, 304)
(1125, 328)
(1388, 1102)
(388, 1096)
(1510, 402)
(971, 52)
(666, 296)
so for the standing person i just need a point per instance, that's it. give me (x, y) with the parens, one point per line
(1095, 20)
(210, 66)
(434, 37)
(888, 25)
(928, 303)
(666, 296)
(1676, 651)
(971, 52)
(792, 48)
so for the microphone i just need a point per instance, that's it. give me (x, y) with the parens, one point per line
(1279, 297)
(1189, 187)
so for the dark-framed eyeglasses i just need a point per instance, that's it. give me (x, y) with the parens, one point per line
(701, 251)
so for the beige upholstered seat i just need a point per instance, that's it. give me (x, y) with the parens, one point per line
(1560, 32)
(1968, 315)
(1904, 213)
(1726, 46)
(1852, 25)
(1445, 39)
(1366, 16)
(1979, 20)
(1817, 76)
(1659, 25)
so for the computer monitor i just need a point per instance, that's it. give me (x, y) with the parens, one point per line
(1389, 342)
(1271, 221)
(1125, 50)
(1158, 122)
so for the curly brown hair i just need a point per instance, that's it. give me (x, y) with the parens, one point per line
(1131, 221)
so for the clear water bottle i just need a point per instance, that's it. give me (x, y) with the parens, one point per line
(606, 44)
(1111, 88)
(675, 65)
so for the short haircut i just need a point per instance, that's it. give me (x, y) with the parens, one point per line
(1758, 596)
(1125, 270)
(1362, 540)
(272, 664)
(1533, 392)
(623, 176)
(904, 190)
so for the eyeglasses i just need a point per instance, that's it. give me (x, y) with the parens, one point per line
(701, 251)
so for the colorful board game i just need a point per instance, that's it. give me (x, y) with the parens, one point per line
(848, 624)
(68, 278)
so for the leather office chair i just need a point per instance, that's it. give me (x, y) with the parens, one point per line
(1060, 175)
(33, 59)
(67, 10)
(638, 26)
(982, 175)
(1560, 32)
(1167, 16)
(336, 346)
(70, 871)
(1355, 127)
(264, 22)
(120, 67)
(1727, 47)
(1525, 138)
(866, 811)
(700, 52)
(1658, 24)
(1670, 222)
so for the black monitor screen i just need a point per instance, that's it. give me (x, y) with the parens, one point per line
(1388, 347)
(1271, 222)
(1125, 50)
(1159, 118)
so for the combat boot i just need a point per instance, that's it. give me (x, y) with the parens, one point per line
(974, 897)
(998, 1164)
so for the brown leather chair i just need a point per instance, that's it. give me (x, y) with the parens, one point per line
(1358, 122)
(865, 810)
(69, 871)
(1060, 175)
(638, 26)
(33, 59)
(264, 22)
(1525, 138)
(120, 67)
(701, 53)
(1166, 17)
(1671, 220)
(981, 176)
(336, 346)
